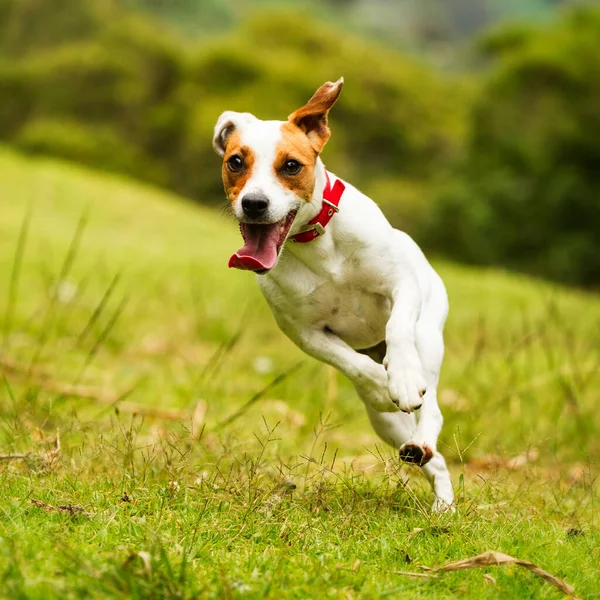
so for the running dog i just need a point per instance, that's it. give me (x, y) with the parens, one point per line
(342, 283)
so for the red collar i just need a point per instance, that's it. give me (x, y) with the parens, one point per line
(316, 227)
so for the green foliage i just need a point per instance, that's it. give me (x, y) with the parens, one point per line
(528, 193)
(399, 23)
(500, 169)
(28, 26)
(137, 84)
(84, 143)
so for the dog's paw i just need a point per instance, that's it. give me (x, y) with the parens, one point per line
(407, 386)
(441, 505)
(416, 454)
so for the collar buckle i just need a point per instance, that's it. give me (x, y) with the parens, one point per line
(316, 228)
(335, 208)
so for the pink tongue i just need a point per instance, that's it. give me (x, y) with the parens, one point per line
(260, 250)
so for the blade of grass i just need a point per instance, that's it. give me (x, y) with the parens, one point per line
(99, 309)
(256, 397)
(15, 276)
(64, 272)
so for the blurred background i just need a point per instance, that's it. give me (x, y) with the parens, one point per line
(475, 124)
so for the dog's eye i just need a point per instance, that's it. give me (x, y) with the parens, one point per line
(235, 163)
(291, 167)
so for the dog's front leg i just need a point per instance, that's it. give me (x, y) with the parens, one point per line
(370, 378)
(406, 379)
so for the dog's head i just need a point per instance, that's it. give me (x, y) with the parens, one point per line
(269, 172)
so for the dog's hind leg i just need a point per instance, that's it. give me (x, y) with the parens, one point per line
(438, 475)
(395, 429)
(420, 448)
(398, 430)
(417, 440)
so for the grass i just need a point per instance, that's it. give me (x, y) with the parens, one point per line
(162, 439)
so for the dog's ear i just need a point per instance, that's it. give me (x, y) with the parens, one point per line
(227, 123)
(312, 117)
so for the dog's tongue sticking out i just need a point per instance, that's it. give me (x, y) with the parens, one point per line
(259, 252)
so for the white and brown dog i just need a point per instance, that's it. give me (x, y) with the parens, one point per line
(343, 285)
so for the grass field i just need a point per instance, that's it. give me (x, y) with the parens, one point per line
(160, 437)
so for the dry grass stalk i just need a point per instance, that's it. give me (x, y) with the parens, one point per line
(49, 459)
(413, 574)
(72, 509)
(11, 456)
(94, 394)
(492, 558)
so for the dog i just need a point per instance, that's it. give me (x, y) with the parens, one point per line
(342, 284)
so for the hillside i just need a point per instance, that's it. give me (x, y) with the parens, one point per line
(447, 145)
(120, 302)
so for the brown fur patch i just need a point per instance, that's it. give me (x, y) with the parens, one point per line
(312, 117)
(295, 145)
(235, 182)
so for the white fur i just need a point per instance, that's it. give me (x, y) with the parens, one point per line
(361, 283)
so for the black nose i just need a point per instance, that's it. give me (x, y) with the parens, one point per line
(255, 205)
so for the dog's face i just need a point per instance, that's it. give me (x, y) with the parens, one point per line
(269, 172)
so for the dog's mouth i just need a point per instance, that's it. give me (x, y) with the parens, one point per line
(262, 244)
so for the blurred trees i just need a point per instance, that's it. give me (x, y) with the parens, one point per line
(129, 97)
(527, 192)
(34, 25)
(430, 25)
(502, 168)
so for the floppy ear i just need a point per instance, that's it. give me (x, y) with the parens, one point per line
(227, 123)
(312, 117)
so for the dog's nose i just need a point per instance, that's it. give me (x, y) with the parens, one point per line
(255, 205)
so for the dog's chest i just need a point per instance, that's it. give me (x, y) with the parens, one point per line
(340, 296)
(355, 315)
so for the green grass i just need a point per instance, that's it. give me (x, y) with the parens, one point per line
(121, 292)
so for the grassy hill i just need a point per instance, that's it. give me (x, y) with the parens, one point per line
(160, 440)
